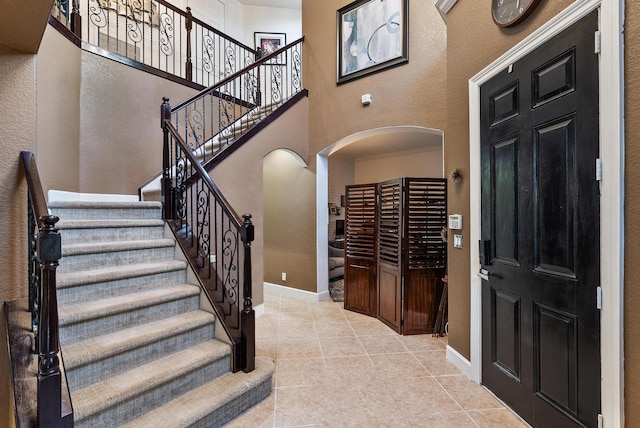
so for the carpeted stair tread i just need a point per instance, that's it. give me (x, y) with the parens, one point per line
(103, 347)
(110, 223)
(104, 204)
(132, 332)
(190, 408)
(123, 387)
(101, 308)
(95, 276)
(112, 247)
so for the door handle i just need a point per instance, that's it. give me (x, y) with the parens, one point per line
(484, 274)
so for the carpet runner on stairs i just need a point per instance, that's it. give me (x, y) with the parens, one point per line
(137, 347)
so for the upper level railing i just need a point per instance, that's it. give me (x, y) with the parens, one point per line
(156, 34)
(212, 120)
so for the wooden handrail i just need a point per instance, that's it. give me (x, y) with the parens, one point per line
(34, 185)
(237, 74)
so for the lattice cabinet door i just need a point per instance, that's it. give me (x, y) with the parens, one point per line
(390, 254)
(425, 253)
(360, 284)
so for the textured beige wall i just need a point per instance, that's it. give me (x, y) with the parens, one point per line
(632, 214)
(120, 136)
(423, 163)
(18, 112)
(289, 226)
(473, 42)
(410, 94)
(244, 178)
(17, 133)
(58, 106)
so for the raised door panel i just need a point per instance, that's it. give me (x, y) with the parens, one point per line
(390, 296)
(422, 294)
(389, 254)
(359, 287)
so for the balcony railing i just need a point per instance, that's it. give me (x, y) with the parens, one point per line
(158, 35)
(214, 119)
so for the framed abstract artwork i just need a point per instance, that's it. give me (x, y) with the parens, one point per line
(372, 36)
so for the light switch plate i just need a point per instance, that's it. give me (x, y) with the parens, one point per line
(457, 241)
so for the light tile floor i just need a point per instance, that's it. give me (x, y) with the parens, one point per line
(337, 368)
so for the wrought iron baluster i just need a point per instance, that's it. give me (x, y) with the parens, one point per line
(34, 269)
(188, 27)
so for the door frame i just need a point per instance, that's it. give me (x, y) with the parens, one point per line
(611, 81)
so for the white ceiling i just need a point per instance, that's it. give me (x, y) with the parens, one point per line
(388, 140)
(289, 4)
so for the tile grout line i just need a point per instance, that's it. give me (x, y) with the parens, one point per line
(322, 319)
(358, 337)
(456, 401)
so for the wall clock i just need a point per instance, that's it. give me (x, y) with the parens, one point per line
(507, 13)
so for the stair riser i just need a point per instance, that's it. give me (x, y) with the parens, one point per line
(99, 370)
(233, 408)
(131, 409)
(110, 234)
(103, 290)
(152, 195)
(76, 332)
(106, 213)
(82, 262)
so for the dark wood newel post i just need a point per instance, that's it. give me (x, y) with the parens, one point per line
(167, 191)
(76, 19)
(247, 316)
(49, 251)
(188, 26)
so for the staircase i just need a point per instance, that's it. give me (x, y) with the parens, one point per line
(137, 346)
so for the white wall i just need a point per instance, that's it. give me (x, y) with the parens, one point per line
(224, 15)
(423, 163)
(271, 20)
(241, 21)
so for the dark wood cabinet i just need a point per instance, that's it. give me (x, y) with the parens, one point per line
(395, 255)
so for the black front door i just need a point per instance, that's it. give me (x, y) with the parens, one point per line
(540, 216)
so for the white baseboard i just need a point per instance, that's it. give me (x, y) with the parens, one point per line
(259, 310)
(455, 358)
(294, 292)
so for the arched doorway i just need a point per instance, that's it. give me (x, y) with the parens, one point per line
(372, 155)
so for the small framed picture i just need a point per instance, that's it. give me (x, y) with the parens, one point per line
(333, 210)
(268, 43)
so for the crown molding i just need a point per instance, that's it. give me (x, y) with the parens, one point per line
(445, 6)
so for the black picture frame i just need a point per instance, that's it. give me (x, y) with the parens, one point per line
(373, 35)
(267, 43)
